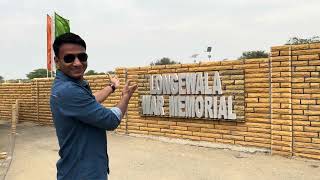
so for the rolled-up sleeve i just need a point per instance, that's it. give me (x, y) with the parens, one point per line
(78, 104)
(117, 112)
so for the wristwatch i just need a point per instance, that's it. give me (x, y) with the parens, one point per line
(113, 87)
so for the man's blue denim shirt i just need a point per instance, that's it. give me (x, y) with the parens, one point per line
(81, 123)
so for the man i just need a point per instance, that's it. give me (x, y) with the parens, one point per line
(79, 118)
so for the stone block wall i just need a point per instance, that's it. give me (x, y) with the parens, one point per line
(9, 93)
(296, 100)
(276, 99)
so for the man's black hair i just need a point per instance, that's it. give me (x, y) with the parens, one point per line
(67, 38)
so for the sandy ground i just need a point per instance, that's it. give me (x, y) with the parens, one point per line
(136, 158)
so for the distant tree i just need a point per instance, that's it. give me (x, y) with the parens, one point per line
(93, 72)
(163, 61)
(253, 54)
(90, 72)
(297, 40)
(37, 73)
(1, 79)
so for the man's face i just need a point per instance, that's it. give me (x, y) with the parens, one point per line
(76, 68)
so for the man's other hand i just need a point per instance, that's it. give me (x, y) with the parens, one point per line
(128, 90)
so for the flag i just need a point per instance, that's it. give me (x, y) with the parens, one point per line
(61, 25)
(49, 43)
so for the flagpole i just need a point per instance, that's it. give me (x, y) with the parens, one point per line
(53, 38)
(47, 45)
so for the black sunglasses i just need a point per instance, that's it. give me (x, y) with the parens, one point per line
(69, 58)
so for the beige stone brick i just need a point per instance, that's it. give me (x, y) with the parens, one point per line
(305, 134)
(281, 153)
(280, 100)
(311, 156)
(251, 66)
(275, 70)
(308, 57)
(194, 129)
(257, 120)
(217, 131)
(297, 112)
(274, 126)
(281, 133)
(258, 125)
(301, 96)
(286, 127)
(315, 140)
(256, 61)
(187, 124)
(300, 47)
(300, 63)
(307, 145)
(280, 58)
(314, 96)
(308, 101)
(281, 111)
(306, 52)
(173, 123)
(208, 135)
(300, 85)
(183, 128)
(313, 79)
(182, 70)
(158, 126)
(312, 112)
(306, 68)
(281, 143)
(264, 100)
(276, 53)
(302, 139)
(315, 124)
(254, 71)
(252, 100)
(210, 63)
(251, 134)
(153, 71)
(167, 70)
(257, 75)
(311, 129)
(307, 151)
(231, 137)
(284, 53)
(280, 48)
(300, 106)
(150, 129)
(281, 79)
(314, 46)
(314, 63)
(257, 85)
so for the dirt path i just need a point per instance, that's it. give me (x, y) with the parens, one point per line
(135, 158)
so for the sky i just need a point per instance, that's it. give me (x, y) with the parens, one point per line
(131, 33)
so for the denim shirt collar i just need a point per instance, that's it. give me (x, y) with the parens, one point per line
(63, 77)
